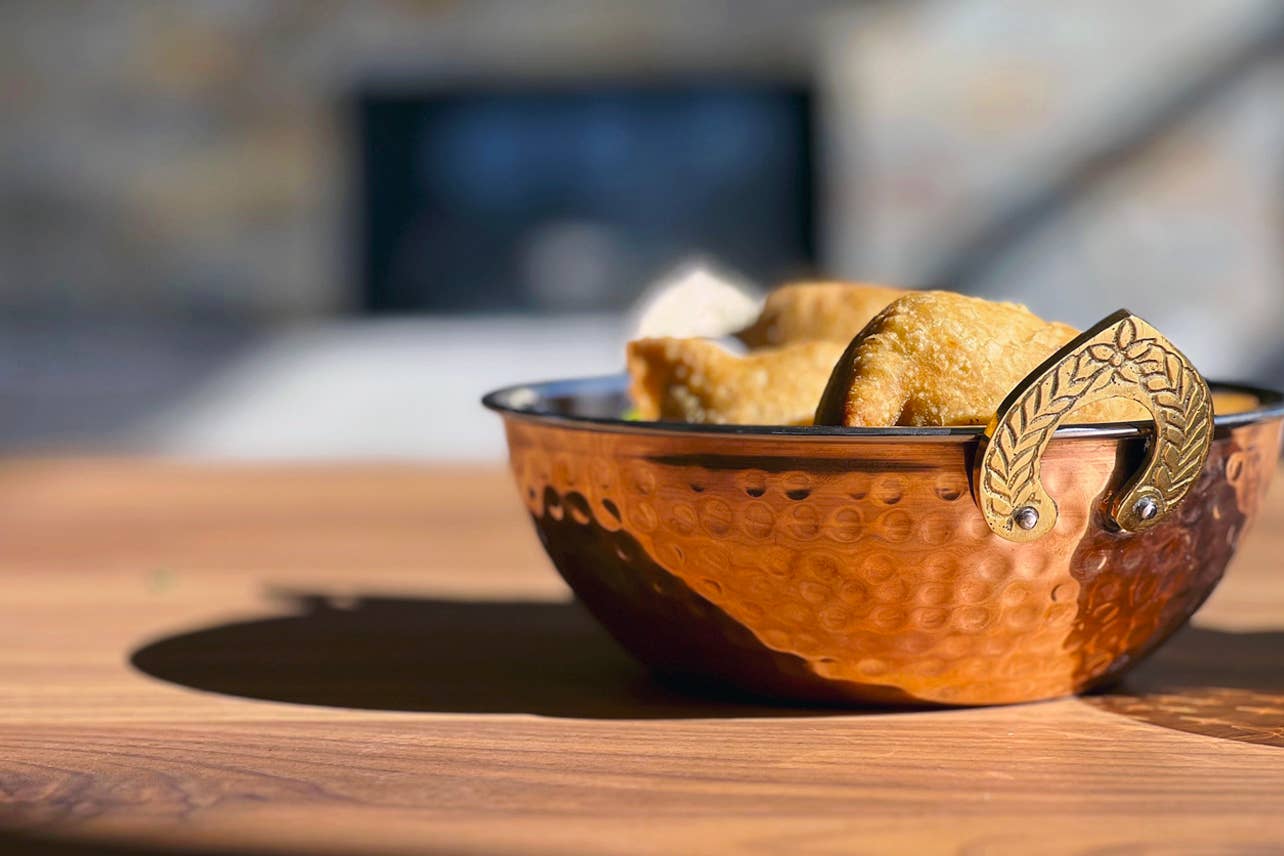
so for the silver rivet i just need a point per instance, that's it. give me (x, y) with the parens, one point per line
(1026, 517)
(1146, 508)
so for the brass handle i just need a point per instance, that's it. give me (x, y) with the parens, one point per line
(1120, 357)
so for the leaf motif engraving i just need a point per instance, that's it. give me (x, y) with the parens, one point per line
(1126, 334)
(1121, 361)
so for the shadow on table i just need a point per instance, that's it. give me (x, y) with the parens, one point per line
(552, 659)
(14, 841)
(436, 655)
(1209, 682)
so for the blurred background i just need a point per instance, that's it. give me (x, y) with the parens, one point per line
(313, 228)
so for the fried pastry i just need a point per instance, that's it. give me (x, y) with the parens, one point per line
(697, 380)
(938, 358)
(1226, 401)
(809, 311)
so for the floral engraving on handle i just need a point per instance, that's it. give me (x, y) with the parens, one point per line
(1122, 356)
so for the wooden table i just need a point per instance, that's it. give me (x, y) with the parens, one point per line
(379, 659)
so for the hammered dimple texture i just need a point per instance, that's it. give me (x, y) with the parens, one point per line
(865, 572)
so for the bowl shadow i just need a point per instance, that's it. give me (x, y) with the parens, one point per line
(1214, 683)
(406, 654)
(552, 659)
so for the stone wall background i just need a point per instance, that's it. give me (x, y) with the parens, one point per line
(1079, 157)
(195, 159)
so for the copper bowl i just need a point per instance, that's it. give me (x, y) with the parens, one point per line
(850, 565)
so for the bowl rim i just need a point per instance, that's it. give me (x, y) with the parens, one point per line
(530, 402)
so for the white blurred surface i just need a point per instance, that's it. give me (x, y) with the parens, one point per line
(404, 388)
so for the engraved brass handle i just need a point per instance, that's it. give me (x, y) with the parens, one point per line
(1121, 356)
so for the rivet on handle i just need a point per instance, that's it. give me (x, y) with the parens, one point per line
(1120, 357)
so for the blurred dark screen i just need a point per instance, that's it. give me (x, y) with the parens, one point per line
(555, 200)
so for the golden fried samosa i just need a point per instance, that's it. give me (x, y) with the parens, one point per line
(810, 311)
(697, 380)
(938, 358)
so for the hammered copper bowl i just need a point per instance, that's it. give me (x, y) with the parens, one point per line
(853, 565)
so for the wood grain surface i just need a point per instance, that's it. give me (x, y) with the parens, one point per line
(379, 659)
